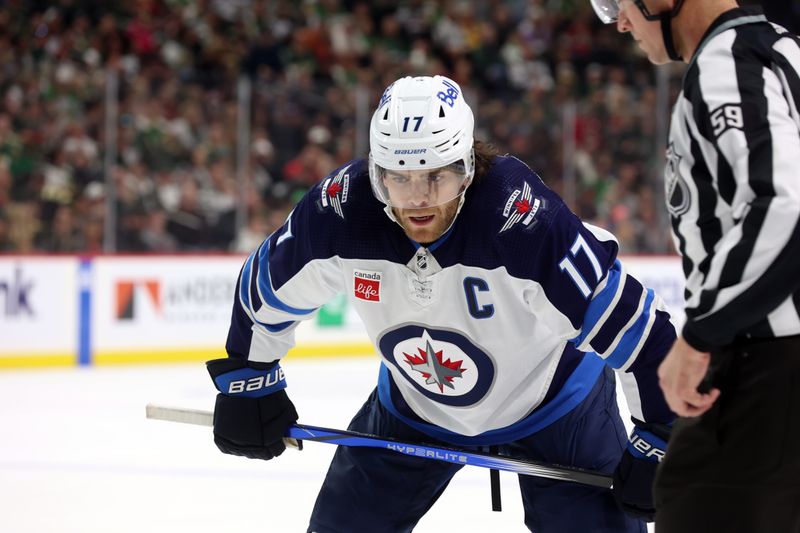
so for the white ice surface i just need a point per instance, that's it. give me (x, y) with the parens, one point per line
(77, 455)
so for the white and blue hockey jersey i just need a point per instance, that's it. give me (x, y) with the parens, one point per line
(491, 333)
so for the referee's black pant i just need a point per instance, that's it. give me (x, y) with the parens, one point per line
(736, 468)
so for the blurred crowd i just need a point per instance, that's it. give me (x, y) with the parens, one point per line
(315, 66)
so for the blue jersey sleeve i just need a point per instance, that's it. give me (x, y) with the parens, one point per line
(614, 315)
(290, 275)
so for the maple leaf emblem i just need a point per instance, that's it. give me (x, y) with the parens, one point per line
(334, 189)
(523, 206)
(433, 367)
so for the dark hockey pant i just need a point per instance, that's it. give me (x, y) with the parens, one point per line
(374, 490)
(736, 468)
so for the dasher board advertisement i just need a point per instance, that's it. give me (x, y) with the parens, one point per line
(39, 310)
(162, 308)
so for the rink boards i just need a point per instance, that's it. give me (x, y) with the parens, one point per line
(63, 311)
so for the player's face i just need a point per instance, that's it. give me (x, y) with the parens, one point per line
(421, 189)
(425, 225)
(424, 201)
(646, 33)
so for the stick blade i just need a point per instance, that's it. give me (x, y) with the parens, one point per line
(197, 417)
(182, 415)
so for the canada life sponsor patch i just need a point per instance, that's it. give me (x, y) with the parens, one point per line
(521, 207)
(367, 285)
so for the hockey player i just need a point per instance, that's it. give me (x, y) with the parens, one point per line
(496, 313)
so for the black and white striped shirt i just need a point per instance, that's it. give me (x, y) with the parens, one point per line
(733, 182)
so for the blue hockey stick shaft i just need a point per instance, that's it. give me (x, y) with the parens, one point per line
(450, 455)
(303, 432)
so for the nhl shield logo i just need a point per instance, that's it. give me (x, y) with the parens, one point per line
(422, 260)
(521, 207)
(367, 285)
(334, 191)
(677, 192)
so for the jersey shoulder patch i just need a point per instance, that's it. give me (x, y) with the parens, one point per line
(512, 209)
(517, 196)
(340, 216)
(337, 188)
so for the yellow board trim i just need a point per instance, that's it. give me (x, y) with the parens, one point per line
(204, 354)
(125, 357)
(38, 360)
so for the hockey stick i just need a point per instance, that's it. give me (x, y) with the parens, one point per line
(303, 432)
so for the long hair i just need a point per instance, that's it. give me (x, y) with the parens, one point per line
(484, 156)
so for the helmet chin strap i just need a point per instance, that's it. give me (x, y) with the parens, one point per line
(666, 32)
(665, 17)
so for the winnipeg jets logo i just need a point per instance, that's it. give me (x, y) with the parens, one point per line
(334, 191)
(441, 364)
(677, 192)
(521, 206)
(434, 368)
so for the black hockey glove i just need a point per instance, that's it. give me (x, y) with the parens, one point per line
(252, 411)
(633, 478)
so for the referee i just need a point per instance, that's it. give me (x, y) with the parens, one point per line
(733, 193)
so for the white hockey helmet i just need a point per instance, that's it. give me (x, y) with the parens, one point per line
(422, 124)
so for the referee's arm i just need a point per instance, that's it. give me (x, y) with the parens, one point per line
(753, 123)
